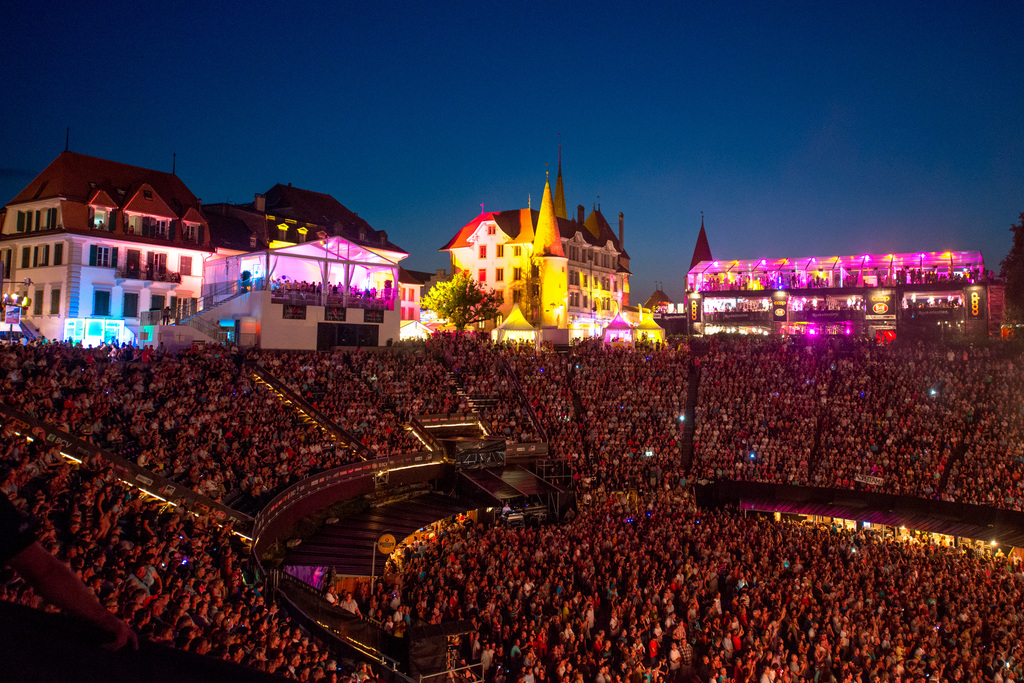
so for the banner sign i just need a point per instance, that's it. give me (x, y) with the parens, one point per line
(868, 479)
(976, 303)
(880, 305)
(13, 315)
(694, 309)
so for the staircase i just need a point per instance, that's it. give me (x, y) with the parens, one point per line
(309, 413)
(29, 330)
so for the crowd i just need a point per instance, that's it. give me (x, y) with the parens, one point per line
(756, 408)
(177, 579)
(663, 591)
(196, 418)
(635, 590)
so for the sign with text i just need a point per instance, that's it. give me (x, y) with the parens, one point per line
(976, 301)
(880, 305)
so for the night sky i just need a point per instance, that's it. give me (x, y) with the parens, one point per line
(799, 129)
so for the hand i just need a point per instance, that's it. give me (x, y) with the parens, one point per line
(122, 632)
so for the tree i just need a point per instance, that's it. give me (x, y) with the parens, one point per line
(463, 301)
(1012, 272)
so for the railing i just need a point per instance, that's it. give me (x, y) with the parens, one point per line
(541, 432)
(317, 415)
(128, 471)
(152, 274)
(296, 297)
(320, 490)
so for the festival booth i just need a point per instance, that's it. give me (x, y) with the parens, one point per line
(515, 329)
(313, 295)
(648, 330)
(618, 332)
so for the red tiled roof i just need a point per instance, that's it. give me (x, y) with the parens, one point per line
(82, 178)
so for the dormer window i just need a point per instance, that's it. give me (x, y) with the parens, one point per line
(99, 219)
(189, 232)
(148, 194)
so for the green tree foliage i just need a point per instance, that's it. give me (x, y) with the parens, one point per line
(1012, 273)
(463, 301)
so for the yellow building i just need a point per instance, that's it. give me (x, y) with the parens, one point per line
(566, 275)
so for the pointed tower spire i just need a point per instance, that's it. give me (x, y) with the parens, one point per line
(560, 189)
(702, 250)
(546, 239)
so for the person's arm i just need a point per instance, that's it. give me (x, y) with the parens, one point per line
(55, 581)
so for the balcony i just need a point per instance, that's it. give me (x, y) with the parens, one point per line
(148, 273)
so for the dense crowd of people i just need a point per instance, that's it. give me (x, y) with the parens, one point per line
(642, 586)
(663, 591)
(176, 578)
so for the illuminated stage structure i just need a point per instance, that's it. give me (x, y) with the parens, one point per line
(316, 295)
(873, 295)
(570, 278)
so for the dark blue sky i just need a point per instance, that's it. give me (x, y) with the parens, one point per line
(798, 128)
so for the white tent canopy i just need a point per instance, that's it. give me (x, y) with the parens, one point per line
(515, 328)
(618, 331)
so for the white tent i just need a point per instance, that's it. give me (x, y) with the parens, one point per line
(618, 331)
(515, 328)
(413, 329)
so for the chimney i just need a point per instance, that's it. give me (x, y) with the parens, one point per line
(579, 214)
(621, 221)
(261, 203)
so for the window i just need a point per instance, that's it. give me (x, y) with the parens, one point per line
(104, 257)
(517, 274)
(131, 305)
(499, 274)
(491, 230)
(37, 303)
(55, 301)
(156, 303)
(501, 250)
(483, 251)
(517, 251)
(189, 232)
(185, 265)
(21, 222)
(483, 275)
(26, 254)
(99, 219)
(515, 296)
(35, 256)
(58, 254)
(51, 219)
(44, 255)
(8, 255)
(101, 302)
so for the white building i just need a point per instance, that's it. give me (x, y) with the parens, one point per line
(95, 244)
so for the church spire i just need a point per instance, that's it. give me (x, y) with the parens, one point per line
(546, 240)
(701, 250)
(559, 189)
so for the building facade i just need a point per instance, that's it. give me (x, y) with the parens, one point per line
(96, 244)
(564, 274)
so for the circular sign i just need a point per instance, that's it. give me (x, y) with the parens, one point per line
(386, 544)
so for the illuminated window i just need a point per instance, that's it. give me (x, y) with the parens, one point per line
(99, 219)
(483, 251)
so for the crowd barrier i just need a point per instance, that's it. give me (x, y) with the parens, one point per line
(317, 492)
(142, 478)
